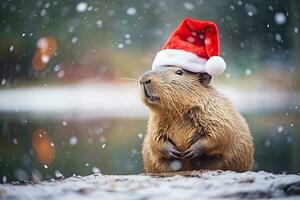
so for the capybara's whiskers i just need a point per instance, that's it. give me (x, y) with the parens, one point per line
(129, 79)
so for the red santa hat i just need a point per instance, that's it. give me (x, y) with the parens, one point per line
(193, 46)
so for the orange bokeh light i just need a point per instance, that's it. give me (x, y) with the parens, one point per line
(47, 47)
(43, 146)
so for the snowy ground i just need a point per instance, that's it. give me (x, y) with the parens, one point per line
(120, 100)
(193, 185)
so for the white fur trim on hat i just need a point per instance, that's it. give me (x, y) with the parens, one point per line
(189, 61)
(180, 58)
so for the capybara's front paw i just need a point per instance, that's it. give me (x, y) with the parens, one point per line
(170, 151)
(194, 151)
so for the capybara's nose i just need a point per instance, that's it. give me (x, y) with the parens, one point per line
(146, 77)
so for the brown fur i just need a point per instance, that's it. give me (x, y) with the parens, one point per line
(187, 111)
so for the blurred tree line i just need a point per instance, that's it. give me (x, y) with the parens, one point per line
(120, 37)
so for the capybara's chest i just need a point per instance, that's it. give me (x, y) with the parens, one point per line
(181, 134)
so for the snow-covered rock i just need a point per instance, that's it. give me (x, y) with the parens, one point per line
(187, 185)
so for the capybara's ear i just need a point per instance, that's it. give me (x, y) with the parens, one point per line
(204, 78)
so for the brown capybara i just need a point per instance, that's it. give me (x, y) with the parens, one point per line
(191, 125)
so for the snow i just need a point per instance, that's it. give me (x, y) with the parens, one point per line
(11, 48)
(58, 174)
(81, 7)
(289, 139)
(96, 170)
(250, 9)
(131, 11)
(15, 141)
(280, 18)
(45, 58)
(188, 6)
(120, 46)
(3, 81)
(74, 39)
(248, 72)
(4, 179)
(267, 142)
(43, 12)
(99, 23)
(280, 129)
(186, 185)
(278, 37)
(73, 140)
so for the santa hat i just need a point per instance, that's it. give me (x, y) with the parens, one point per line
(193, 46)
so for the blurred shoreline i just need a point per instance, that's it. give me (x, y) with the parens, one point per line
(109, 100)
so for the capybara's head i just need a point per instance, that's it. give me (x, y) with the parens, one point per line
(172, 88)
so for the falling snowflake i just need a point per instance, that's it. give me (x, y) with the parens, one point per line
(11, 48)
(248, 72)
(250, 9)
(99, 23)
(74, 39)
(45, 58)
(4, 179)
(131, 11)
(280, 129)
(58, 174)
(43, 12)
(278, 37)
(15, 141)
(73, 140)
(289, 139)
(280, 18)
(96, 170)
(188, 6)
(81, 7)
(267, 143)
(3, 81)
(64, 123)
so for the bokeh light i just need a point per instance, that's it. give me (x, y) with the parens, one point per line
(43, 146)
(46, 48)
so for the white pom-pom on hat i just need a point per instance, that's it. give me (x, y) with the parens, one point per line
(215, 65)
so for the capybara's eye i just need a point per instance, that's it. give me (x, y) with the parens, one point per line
(179, 72)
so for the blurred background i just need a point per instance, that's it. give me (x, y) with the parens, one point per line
(68, 93)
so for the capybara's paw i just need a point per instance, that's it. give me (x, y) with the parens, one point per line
(194, 151)
(170, 151)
